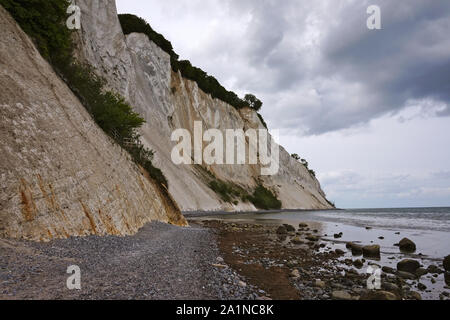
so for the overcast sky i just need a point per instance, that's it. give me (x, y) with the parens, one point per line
(369, 109)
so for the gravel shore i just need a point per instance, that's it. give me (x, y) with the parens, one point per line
(160, 262)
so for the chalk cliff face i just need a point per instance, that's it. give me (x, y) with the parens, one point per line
(140, 71)
(60, 174)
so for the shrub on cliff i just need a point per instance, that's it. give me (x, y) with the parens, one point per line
(131, 23)
(253, 102)
(44, 22)
(265, 199)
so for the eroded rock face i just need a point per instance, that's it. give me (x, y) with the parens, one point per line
(141, 71)
(60, 174)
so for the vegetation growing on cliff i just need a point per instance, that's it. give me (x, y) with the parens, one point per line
(265, 199)
(131, 23)
(44, 21)
(305, 163)
(261, 198)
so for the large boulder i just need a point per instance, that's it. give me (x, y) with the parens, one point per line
(407, 245)
(371, 251)
(406, 275)
(282, 230)
(447, 263)
(341, 295)
(378, 295)
(408, 265)
(434, 269)
(357, 250)
(289, 228)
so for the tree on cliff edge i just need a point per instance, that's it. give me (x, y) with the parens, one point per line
(253, 102)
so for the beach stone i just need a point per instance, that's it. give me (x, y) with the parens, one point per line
(341, 295)
(371, 251)
(339, 252)
(295, 273)
(391, 287)
(408, 265)
(289, 228)
(312, 238)
(303, 225)
(446, 263)
(242, 284)
(357, 250)
(415, 295)
(338, 235)
(407, 245)
(421, 286)
(388, 270)
(434, 269)
(297, 240)
(358, 264)
(421, 272)
(282, 230)
(447, 278)
(378, 295)
(405, 275)
(319, 284)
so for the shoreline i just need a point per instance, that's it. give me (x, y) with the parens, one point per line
(199, 213)
(213, 260)
(315, 267)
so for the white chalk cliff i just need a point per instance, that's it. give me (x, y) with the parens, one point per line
(141, 71)
(60, 175)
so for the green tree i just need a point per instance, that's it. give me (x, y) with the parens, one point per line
(253, 102)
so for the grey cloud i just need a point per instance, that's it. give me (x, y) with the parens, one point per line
(408, 59)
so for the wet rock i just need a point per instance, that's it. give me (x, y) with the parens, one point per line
(282, 230)
(348, 262)
(339, 252)
(446, 263)
(312, 238)
(358, 264)
(408, 265)
(357, 250)
(289, 228)
(405, 275)
(338, 235)
(303, 225)
(434, 269)
(421, 272)
(368, 228)
(421, 286)
(341, 295)
(381, 238)
(297, 240)
(407, 245)
(378, 295)
(447, 278)
(295, 274)
(319, 284)
(415, 295)
(388, 270)
(371, 251)
(391, 287)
